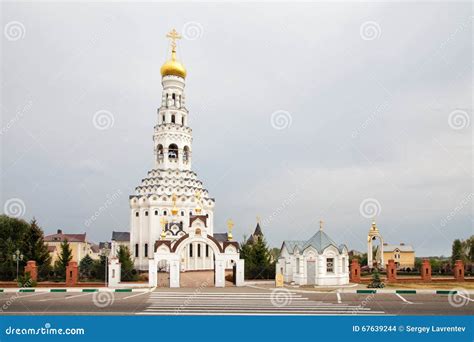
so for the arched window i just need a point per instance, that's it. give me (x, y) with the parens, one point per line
(173, 118)
(173, 152)
(136, 250)
(146, 213)
(146, 250)
(160, 152)
(156, 212)
(163, 119)
(165, 213)
(136, 214)
(186, 154)
(182, 121)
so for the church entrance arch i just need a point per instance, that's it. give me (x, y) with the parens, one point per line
(198, 262)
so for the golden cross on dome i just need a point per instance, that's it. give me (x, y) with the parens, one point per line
(173, 35)
(230, 224)
(163, 222)
(258, 219)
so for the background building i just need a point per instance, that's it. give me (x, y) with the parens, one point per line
(404, 255)
(78, 243)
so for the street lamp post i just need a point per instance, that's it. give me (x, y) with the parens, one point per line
(105, 253)
(17, 257)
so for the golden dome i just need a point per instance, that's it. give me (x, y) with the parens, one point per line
(173, 66)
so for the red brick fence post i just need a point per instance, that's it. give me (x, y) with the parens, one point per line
(32, 269)
(355, 271)
(391, 270)
(71, 273)
(426, 270)
(459, 270)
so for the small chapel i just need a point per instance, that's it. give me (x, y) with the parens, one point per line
(171, 212)
(317, 261)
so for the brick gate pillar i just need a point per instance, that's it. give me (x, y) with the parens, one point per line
(391, 270)
(32, 269)
(426, 270)
(459, 270)
(355, 271)
(71, 273)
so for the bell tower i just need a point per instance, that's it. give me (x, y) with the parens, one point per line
(172, 136)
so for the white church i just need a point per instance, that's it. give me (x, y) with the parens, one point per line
(317, 261)
(171, 213)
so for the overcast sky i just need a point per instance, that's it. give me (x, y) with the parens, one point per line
(300, 112)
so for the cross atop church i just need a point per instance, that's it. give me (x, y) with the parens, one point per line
(173, 35)
(321, 222)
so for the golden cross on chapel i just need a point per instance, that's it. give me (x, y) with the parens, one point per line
(173, 35)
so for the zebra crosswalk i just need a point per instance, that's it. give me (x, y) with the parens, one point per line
(276, 302)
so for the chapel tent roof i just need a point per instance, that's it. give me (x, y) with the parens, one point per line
(221, 237)
(319, 241)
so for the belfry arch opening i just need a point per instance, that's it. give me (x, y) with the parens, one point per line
(173, 152)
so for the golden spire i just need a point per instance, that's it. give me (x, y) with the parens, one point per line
(173, 67)
(230, 225)
(174, 210)
(163, 225)
(198, 201)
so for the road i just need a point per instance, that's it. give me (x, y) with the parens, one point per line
(229, 301)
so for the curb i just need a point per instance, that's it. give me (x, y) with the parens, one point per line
(74, 289)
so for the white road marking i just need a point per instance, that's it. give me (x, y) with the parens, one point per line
(136, 295)
(81, 295)
(469, 299)
(406, 301)
(31, 295)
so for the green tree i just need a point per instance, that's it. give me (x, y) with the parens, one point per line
(98, 269)
(457, 251)
(258, 259)
(12, 232)
(35, 249)
(86, 267)
(64, 257)
(125, 259)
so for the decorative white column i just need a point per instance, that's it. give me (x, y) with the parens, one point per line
(114, 272)
(220, 273)
(239, 272)
(174, 273)
(152, 273)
